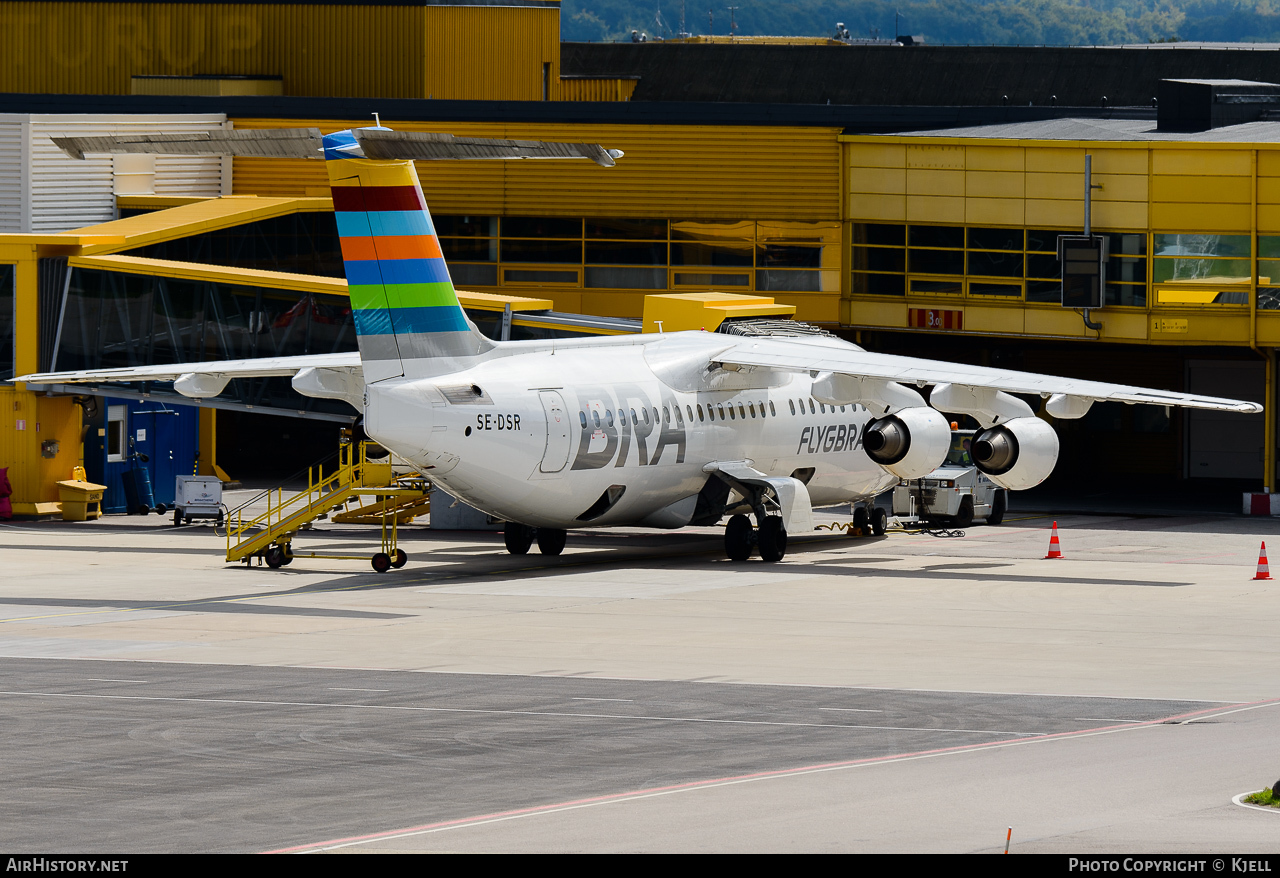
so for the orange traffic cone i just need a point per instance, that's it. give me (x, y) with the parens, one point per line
(1055, 550)
(1262, 573)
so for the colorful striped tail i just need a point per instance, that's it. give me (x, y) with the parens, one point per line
(407, 316)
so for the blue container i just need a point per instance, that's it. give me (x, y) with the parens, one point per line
(138, 496)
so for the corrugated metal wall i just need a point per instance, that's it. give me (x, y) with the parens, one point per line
(597, 89)
(12, 173)
(668, 171)
(329, 51)
(68, 194)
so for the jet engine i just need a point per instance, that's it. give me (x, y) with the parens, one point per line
(1017, 454)
(910, 443)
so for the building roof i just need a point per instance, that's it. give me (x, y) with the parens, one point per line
(1093, 130)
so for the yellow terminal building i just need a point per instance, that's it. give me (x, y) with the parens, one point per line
(909, 238)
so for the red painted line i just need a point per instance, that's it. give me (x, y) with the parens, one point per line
(759, 775)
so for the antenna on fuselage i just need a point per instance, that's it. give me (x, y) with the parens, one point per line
(377, 123)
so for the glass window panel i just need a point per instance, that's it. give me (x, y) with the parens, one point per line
(1202, 246)
(1206, 271)
(632, 229)
(1268, 272)
(540, 227)
(466, 226)
(1039, 265)
(8, 301)
(1046, 240)
(946, 287)
(470, 249)
(541, 251)
(1044, 291)
(1127, 270)
(1134, 243)
(526, 276)
(879, 259)
(936, 236)
(1128, 295)
(1269, 246)
(879, 233)
(788, 256)
(995, 239)
(1232, 297)
(614, 253)
(709, 254)
(301, 243)
(981, 288)
(795, 281)
(478, 275)
(618, 278)
(936, 261)
(708, 279)
(998, 264)
(713, 230)
(879, 284)
(1269, 298)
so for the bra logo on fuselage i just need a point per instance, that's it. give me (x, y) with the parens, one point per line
(637, 421)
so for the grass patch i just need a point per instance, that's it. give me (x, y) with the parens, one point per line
(1263, 797)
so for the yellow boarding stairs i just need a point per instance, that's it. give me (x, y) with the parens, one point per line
(397, 500)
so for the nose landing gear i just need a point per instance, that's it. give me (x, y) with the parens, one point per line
(740, 538)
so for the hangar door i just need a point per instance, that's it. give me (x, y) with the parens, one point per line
(1222, 445)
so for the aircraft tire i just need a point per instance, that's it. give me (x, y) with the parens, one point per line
(999, 506)
(964, 517)
(275, 557)
(879, 522)
(381, 562)
(518, 537)
(738, 538)
(551, 540)
(861, 520)
(401, 558)
(772, 539)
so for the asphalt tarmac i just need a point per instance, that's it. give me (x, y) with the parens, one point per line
(641, 693)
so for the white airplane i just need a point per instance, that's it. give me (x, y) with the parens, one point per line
(661, 430)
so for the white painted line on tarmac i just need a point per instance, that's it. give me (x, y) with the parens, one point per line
(851, 709)
(628, 700)
(96, 680)
(354, 689)
(1239, 800)
(1210, 716)
(1108, 719)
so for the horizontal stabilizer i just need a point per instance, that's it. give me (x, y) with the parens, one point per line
(383, 143)
(302, 143)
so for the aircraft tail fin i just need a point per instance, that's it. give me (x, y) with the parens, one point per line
(407, 316)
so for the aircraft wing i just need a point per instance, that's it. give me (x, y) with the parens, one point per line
(324, 376)
(799, 355)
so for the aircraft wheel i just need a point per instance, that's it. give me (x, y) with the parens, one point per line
(861, 520)
(964, 518)
(738, 538)
(879, 521)
(999, 506)
(518, 537)
(381, 562)
(400, 559)
(275, 557)
(551, 540)
(772, 539)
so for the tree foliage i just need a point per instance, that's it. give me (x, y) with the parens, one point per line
(952, 22)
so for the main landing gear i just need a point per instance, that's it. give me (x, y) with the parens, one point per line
(740, 538)
(519, 537)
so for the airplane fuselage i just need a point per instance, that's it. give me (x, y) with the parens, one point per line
(610, 432)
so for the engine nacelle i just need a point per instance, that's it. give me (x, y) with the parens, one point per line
(1017, 454)
(911, 443)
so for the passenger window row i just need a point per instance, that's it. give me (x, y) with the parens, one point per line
(752, 408)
